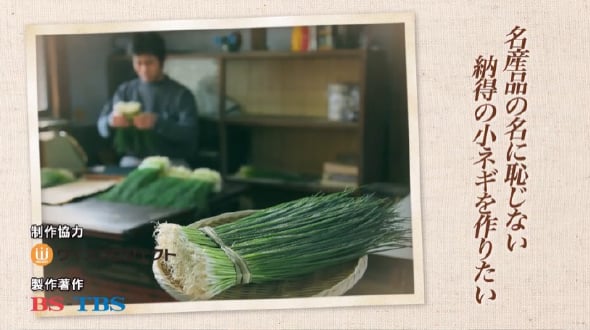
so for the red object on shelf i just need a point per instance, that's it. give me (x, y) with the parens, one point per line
(304, 38)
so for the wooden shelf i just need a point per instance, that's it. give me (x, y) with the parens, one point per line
(310, 186)
(288, 121)
(298, 55)
(260, 54)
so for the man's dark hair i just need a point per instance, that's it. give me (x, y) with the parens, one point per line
(149, 43)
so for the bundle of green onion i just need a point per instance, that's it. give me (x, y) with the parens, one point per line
(156, 183)
(131, 139)
(280, 242)
(55, 176)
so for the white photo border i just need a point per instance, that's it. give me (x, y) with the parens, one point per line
(407, 18)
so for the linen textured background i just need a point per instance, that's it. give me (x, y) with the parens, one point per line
(545, 286)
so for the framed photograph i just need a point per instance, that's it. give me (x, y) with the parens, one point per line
(227, 164)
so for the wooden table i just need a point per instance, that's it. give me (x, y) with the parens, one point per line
(121, 221)
(111, 226)
(385, 275)
(117, 227)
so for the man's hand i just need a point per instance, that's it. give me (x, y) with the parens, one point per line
(119, 121)
(145, 120)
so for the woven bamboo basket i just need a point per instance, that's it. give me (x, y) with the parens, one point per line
(330, 281)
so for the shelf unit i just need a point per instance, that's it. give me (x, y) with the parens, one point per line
(284, 125)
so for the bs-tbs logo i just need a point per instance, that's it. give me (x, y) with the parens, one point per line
(98, 304)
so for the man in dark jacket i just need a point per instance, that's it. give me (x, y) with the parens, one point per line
(167, 107)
